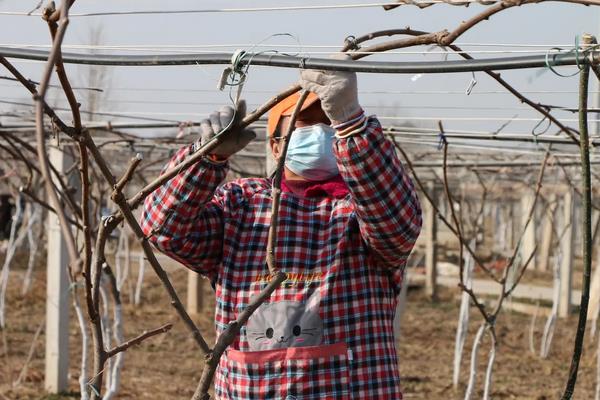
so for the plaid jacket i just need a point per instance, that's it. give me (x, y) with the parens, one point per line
(347, 253)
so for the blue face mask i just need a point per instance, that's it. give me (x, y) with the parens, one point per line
(310, 153)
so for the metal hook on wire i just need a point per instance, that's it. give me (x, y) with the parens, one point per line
(472, 84)
(536, 134)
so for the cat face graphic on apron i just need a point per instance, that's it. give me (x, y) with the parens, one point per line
(287, 358)
(285, 324)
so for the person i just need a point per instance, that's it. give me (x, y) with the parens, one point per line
(348, 219)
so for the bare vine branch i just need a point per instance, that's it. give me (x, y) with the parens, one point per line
(138, 339)
(75, 260)
(586, 190)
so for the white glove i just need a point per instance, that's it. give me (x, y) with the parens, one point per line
(337, 91)
(235, 138)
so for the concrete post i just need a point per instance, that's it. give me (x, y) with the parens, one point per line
(57, 297)
(510, 225)
(430, 246)
(528, 241)
(595, 284)
(577, 233)
(566, 249)
(595, 291)
(499, 228)
(401, 307)
(270, 163)
(547, 235)
(194, 292)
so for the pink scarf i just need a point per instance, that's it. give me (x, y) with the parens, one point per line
(334, 187)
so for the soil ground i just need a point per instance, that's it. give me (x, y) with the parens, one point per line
(168, 366)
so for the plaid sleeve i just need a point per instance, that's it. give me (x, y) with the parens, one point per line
(184, 219)
(387, 206)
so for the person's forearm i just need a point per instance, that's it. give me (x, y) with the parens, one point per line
(191, 188)
(386, 203)
(184, 210)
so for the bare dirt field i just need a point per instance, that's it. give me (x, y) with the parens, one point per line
(168, 366)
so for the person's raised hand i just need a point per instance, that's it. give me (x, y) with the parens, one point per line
(235, 138)
(337, 91)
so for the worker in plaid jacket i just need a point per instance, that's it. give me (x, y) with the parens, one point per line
(348, 220)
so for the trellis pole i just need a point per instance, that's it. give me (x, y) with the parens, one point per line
(194, 292)
(595, 284)
(269, 160)
(566, 246)
(547, 235)
(57, 296)
(430, 246)
(140, 279)
(510, 225)
(594, 308)
(528, 244)
(463, 317)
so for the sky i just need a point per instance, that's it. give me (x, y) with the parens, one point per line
(183, 93)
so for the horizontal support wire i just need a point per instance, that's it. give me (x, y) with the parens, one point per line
(434, 144)
(253, 45)
(488, 164)
(267, 91)
(490, 137)
(15, 100)
(472, 119)
(191, 49)
(409, 133)
(286, 61)
(418, 3)
(145, 115)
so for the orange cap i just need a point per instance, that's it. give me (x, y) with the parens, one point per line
(286, 108)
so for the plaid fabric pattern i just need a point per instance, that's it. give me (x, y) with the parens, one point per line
(352, 250)
(320, 376)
